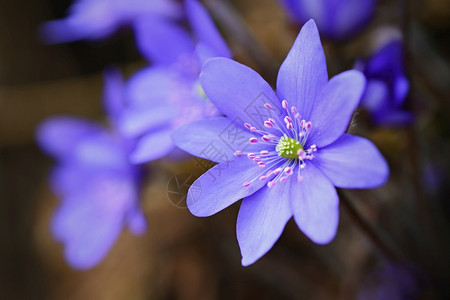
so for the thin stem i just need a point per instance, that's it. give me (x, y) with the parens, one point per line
(376, 236)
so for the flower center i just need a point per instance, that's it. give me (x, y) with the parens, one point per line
(285, 139)
(288, 147)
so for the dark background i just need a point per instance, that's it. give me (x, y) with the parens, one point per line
(184, 257)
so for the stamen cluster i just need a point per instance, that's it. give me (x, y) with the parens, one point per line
(285, 146)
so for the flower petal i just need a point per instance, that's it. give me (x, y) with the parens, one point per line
(215, 139)
(375, 97)
(334, 107)
(162, 41)
(87, 230)
(205, 29)
(137, 222)
(353, 162)
(136, 121)
(58, 135)
(152, 146)
(238, 91)
(113, 93)
(222, 186)
(315, 205)
(150, 86)
(261, 220)
(100, 151)
(303, 73)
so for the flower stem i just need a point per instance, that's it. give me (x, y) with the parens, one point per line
(378, 238)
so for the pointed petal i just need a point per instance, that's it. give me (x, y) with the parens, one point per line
(334, 107)
(261, 220)
(162, 41)
(222, 186)
(353, 162)
(205, 30)
(303, 74)
(152, 146)
(315, 205)
(215, 139)
(58, 135)
(238, 91)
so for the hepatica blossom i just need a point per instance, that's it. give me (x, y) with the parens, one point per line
(387, 85)
(168, 93)
(288, 150)
(96, 183)
(97, 19)
(336, 19)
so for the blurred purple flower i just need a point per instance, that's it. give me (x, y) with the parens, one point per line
(168, 94)
(387, 85)
(97, 19)
(336, 19)
(294, 155)
(97, 185)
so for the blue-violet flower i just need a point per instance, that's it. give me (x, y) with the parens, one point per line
(283, 153)
(97, 19)
(97, 185)
(336, 19)
(168, 93)
(387, 85)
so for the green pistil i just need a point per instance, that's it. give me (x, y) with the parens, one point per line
(288, 147)
(201, 92)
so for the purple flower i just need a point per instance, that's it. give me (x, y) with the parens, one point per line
(168, 94)
(387, 86)
(288, 154)
(97, 19)
(97, 185)
(336, 19)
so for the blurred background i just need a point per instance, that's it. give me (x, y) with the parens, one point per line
(184, 257)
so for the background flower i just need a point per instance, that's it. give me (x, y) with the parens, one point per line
(168, 94)
(97, 19)
(387, 85)
(336, 19)
(97, 185)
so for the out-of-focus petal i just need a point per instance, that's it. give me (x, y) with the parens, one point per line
(353, 162)
(152, 146)
(150, 86)
(205, 30)
(162, 41)
(137, 121)
(303, 74)
(59, 135)
(336, 19)
(113, 93)
(376, 95)
(136, 222)
(261, 220)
